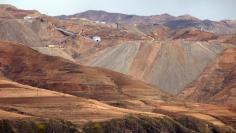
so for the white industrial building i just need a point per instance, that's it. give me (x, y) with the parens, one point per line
(97, 39)
(51, 46)
(28, 18)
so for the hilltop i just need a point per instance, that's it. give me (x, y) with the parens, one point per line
(184, 21)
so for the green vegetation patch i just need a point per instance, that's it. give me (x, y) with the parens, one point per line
(34, 126)
(144, 124)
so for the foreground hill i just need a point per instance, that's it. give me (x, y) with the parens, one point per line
(217, 83)
(11, 89)
(18, 101)
(30, 67)
(32, 109)
(35, 108)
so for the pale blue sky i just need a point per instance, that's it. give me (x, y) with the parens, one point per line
(203, 9)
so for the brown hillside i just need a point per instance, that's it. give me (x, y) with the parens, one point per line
(193, 35)
(19, 101)
(27, 66)
(217, 83)
(18, 13)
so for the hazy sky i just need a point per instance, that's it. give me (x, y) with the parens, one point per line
(204, 9)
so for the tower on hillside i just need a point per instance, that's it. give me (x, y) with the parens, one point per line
(117, 26)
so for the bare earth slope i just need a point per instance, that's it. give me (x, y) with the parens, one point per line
(13, 30)
(217, 83)
(170, 65)
(19, 101)
(30, 67)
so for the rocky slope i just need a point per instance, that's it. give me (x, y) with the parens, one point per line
(170, 65)
(217, 83)
(13, 30)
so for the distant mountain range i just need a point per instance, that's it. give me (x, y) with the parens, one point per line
(184, 21)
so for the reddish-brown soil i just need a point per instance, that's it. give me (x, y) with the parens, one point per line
(217, 83)
(193, 35)
(19, 13)
(27, 66)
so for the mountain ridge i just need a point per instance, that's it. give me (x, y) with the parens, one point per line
(175, 22)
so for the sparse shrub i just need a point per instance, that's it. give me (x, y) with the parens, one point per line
(41, 128)
(144, 124)
(94, 128)
(30, 126)
(5, 127)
